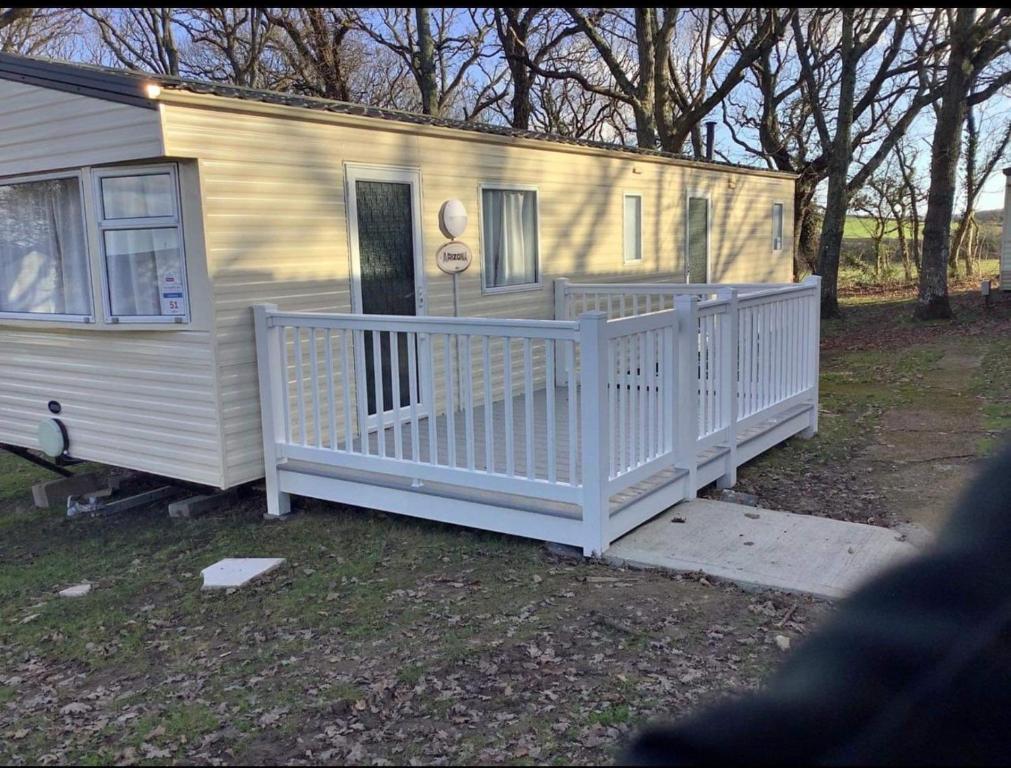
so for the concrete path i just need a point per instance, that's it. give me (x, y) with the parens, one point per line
(762, 548)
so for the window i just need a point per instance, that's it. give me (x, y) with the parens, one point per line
(697, 240)
(139, 229)
(777, 226)
(633, 228)
(43, 250)
(509, 237)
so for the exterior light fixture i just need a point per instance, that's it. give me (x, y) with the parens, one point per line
(153, 90)
(453, 219)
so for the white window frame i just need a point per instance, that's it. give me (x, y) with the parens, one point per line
(104, 225)
(44, 316)
(700, 195)
(782, 225)
(537, 284)
(624, 225)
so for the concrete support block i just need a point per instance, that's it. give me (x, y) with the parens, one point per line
(195, 506)
(53, 493)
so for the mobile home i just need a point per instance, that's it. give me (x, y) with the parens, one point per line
(142, 217)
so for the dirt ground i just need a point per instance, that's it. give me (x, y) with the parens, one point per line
(387, 640)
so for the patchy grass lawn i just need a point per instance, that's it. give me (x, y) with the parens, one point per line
(894, 394)
(396, 640)
(382, 639)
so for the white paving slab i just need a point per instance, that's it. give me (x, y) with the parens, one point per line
(762, 547)
(233, 572)
(78, 590)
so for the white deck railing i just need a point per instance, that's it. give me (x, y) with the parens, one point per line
(572, 430)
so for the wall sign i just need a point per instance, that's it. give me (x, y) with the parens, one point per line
(172, 294)
(454, 257)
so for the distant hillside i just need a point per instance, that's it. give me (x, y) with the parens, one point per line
(994, 216)
(860, 227)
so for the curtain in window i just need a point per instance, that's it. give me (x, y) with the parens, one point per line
(633, 228)
(43, 256)
(138, 261)
(137, 197)
(777, 226)
(510, 237)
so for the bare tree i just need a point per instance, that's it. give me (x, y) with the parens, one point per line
(878, 202)
(908, 205)
(439, 47)
(978, 40)
(139, 38)
(880, 91)
(981, 159)
(38, 31)
(229, 44)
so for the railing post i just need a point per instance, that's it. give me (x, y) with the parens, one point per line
(561, 313)
(595, 432)
(728, 383)
(273, 402)
(814, 353)
(688, 389)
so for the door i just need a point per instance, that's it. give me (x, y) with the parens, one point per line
(697, 240)
(387, 272)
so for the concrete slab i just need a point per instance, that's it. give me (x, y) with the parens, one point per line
(762, 547)
(233, 572)
(78, 590)
(194, 506)
(53, 493)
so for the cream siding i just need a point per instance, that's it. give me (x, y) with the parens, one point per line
(276, 230)
(131, 397)
(43, 129)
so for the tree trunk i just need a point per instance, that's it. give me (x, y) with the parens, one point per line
(837, 199)
(932, 301)
(427, 83)
(513, 36)
(805, 224)
(646, 133)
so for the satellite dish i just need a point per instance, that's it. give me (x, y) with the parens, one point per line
(453, 219)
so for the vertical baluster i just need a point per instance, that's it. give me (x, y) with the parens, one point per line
(398, 435)
(287, 383)
(643, 398)
(703, 376)
(635, 304)
(377, 381)
(570, 366)
(361, 391)
(528, 405)
(450, 403)
(549, 408)
(412, 389)
(467, 372)
(314, 387)
(346, 392)
(622, 403)
(433, 409)
(489, 405)
(614, 384)
(649, 380)
(300, 383)
(714, 371)
(610, 306)
(623, 310)
(507, 400)
(330, 399)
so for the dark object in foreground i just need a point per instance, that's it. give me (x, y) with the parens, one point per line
(913, 668)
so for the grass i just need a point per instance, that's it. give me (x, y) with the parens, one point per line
(387, 638)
